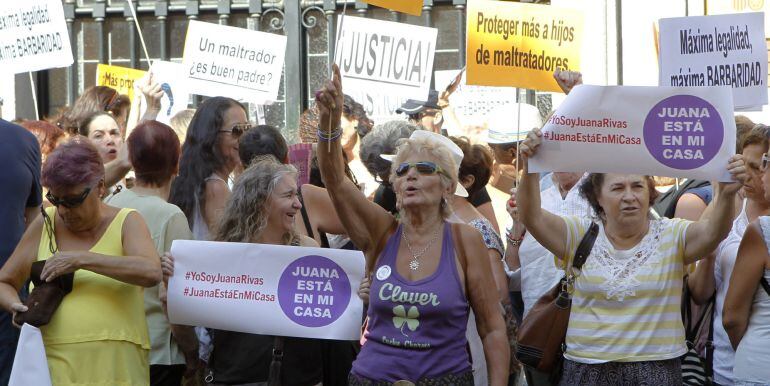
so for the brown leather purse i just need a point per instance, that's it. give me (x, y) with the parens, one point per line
(45, 297)
(542, 332)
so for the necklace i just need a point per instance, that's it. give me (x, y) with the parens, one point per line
(415, 263)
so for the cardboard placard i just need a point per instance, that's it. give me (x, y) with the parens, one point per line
(521, 45)
(33, 36)
(722, 50)
(234, 62)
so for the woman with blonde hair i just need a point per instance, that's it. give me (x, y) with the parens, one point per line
(423, 285)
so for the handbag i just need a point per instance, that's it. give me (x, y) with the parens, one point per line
(45, 297)
(542, 332)
(696, 370)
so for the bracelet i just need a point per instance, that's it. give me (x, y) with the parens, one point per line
(326, 136)
(515, 242)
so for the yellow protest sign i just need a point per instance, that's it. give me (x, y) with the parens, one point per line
(412, 7)
(120, 78)
(521, 45)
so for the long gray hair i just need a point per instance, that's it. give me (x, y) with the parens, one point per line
(245, 216)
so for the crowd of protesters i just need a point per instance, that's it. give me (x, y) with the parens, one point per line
(94, 198)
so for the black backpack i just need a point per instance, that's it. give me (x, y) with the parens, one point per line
(665, 204)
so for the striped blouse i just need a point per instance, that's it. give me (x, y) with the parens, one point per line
(626, 304)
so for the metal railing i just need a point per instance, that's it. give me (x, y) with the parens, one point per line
(101, 30)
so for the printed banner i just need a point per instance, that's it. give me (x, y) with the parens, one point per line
(267, 289)
(473, 104)
(386, 58)
(121, 79)
(723, 50)
(173, 82)
(521, 45)
(412, 7)
(661, 131)
(33, 36)
(235, 62)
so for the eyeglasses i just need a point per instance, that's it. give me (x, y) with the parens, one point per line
(238, 129)
(70, 203)
(424, 167)
(765, 161)
(48, 223)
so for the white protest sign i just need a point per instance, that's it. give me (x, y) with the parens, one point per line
(722, 50)
(173, 82)
(235, 62)
(33, 36)
(385, 58)
(472, 104)
(267, 289)
(661, 131)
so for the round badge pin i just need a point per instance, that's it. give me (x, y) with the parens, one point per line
(383, 272)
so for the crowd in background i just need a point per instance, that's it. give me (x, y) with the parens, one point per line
(95, 196)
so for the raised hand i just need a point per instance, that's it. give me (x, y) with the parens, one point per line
(567, 79)
(330, 101)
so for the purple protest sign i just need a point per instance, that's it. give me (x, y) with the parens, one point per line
(683, 132)
(313, 291)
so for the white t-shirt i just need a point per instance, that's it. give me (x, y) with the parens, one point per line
(726, 253)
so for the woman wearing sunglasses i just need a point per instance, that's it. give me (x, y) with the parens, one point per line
(98, 334)
(422, 284)
(209, 156)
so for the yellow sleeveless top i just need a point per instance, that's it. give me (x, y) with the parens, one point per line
(99, 308)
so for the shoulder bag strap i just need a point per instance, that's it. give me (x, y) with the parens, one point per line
(305, 218)
(585, 246)
(710, 342)
(765, 285)
(274, 377)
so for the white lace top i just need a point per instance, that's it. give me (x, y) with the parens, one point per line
(626, 304)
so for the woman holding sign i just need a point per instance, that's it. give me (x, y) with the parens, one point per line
(625, 325)
(261, 210)
(423, 283)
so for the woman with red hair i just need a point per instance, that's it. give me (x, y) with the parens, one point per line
(154, 150)
(98, 333)
(48, 135)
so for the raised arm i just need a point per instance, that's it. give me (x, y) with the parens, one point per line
(704, 235)
(486, 305)
(365, 222)
(749, 268)
(547, 228)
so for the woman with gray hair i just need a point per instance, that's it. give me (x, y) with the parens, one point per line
(260, 210)
(383, 140)
(423, 286)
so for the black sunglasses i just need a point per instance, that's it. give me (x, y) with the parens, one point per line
(424, 167)
(70, 203)
(238, 129)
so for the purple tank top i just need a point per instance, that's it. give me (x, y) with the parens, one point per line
(416, 329)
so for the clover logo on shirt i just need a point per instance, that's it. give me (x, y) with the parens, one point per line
(402, 318)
